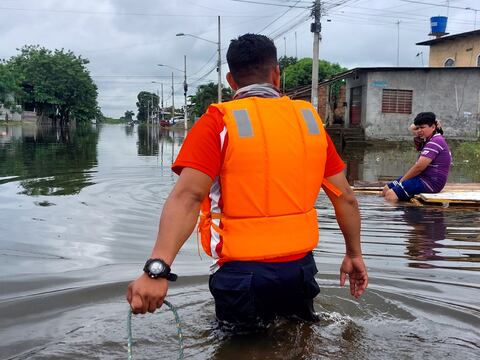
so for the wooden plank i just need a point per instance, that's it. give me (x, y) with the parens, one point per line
(461, 187)
(361, 185)
(464, 197)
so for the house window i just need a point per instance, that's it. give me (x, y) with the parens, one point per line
(397, 101)
(478, 60)
(449, 62)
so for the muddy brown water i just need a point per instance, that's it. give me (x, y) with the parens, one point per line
(79, 212)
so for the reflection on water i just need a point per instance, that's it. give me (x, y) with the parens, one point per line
(157, 141)
(386, 161)
(49, 160)
(65, 260)
(428, 229)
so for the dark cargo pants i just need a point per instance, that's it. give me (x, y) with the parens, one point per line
(249, 292)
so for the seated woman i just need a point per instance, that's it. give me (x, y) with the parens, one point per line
(430, 172)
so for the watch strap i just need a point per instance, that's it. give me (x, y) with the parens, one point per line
(165, 274)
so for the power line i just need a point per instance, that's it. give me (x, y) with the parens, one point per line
(276, 19)
(204, 65)
(440, 5)
(270, 4)
(406, 19)
(275, 34)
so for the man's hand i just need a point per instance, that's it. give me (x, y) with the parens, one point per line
(146, 294)
(354, 267)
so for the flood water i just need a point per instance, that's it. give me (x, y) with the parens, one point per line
(79, 211)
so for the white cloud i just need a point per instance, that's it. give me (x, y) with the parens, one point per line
(125, 40)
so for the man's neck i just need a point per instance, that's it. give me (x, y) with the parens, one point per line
(264, 90)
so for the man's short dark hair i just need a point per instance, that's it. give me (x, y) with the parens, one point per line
(250, 59)
(425, 118)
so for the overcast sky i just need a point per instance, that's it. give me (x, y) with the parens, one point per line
(126, 39)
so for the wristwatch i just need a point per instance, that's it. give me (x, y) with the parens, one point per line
(157, 268)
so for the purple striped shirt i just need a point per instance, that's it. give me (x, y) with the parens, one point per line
(436, 174)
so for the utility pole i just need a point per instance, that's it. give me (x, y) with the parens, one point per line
(296, 57)
(148, 111)
(157, 120)
(185, 89)
(152, 111)
(219, 65)
(315, 28)
(162, 98)
(398, 43)
(173, 99)
(285, 61)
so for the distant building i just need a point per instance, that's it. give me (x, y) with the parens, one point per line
(459, 50)
(384, 101)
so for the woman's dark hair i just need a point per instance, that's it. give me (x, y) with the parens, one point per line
(427, 118)
(250, 59)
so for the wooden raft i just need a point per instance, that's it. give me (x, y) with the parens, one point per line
(467, 194)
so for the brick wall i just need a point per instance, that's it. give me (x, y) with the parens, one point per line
(337, 110)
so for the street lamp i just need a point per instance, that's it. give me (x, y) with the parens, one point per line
(219, 60)
(185, 87)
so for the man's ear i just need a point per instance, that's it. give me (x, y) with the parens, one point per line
(276, 76)
(231, 81)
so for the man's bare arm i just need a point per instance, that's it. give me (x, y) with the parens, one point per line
(347, 213)
(177, 222)
(348, 218)
(180, 213)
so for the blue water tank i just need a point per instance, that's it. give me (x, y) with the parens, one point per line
(438, 24)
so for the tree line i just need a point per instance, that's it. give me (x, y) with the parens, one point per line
(56, 84)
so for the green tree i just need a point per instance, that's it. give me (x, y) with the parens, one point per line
(9, 84)
(147, 104)
(300, 73)
(286, 61)
(56, 84)
(128, 115)
(208, 94)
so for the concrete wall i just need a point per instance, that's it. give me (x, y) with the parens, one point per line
(465, 51)
(452, 94)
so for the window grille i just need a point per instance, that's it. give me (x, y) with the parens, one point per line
(397, 101)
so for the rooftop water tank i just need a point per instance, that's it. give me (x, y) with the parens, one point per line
(438, 25)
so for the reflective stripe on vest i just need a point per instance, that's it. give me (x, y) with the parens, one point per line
(270, 178)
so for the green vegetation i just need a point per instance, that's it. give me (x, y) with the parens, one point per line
(9, 85)
(299, 73)
(109, 120)
(147, 104)
(286, 61)
(466, 159)
(55, 83)
(208, 94)
(469, 150)
(128, 116)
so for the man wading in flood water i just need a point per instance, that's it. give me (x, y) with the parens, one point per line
(254, 167)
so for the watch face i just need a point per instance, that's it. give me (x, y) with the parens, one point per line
(156, 267)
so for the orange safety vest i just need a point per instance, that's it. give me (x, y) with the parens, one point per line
(269, 181)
